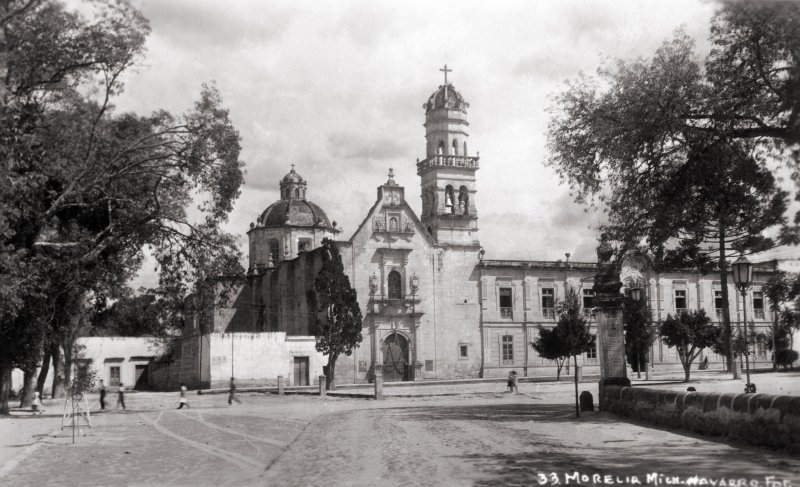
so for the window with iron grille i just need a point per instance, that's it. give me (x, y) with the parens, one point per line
(395, 285)
(463, 351)
(592, 353)
(506, 303)
(588, 301)
(548, 302)
(680, 301)
(758, 305)
(508, 349)
(718, 303)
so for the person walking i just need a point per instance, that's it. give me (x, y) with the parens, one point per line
(102, 395)
(231, 394)
(182, 400)
(512, 382)
(121, 396)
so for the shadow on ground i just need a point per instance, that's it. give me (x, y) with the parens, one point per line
(602, 444)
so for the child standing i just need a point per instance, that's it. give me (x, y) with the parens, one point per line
(36, 405)
(121, 396)
(512, 382)
(232, 392)
(102, 395)
(182, 400)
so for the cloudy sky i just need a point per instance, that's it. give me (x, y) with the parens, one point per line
(337, 88)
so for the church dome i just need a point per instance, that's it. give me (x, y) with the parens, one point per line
(293, 210)
(447, 97)
(295, 213)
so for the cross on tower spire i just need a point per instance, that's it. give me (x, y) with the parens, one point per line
(292, 167)
(445, 71)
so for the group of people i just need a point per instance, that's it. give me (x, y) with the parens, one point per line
(182, 400)
(120, 395)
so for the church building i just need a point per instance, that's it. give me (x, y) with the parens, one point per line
(432, 307)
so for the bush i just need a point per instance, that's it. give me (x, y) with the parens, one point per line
(786, 358)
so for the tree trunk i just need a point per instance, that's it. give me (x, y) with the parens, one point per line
(330, 384)
(638, 365)
(559, 366)
(67, 348)
(40, 381)
(28, 388)
(58, 371)
(726, 315)
(577, 407)
(5, 387)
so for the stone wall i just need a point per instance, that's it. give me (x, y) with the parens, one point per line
(760, 419)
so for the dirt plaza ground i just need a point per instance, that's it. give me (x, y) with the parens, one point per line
(471, 434)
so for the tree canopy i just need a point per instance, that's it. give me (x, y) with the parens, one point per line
(85, 189)
(679, 151)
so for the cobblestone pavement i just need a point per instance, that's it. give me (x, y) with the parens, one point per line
(481, 437)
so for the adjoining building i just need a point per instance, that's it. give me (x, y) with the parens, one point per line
(433, 308)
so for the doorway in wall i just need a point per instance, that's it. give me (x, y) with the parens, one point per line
(395, 358)
(141, 377)
(301, 371)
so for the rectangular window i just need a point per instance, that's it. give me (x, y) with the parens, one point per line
(761, 349)
(113, 376)
(506, 303)
(508, 349)
(463, 352)
(680, 301)
(548, 302)
(592, 353)
(429, 366)
(588, 301)
(758, 305)
(718, 303)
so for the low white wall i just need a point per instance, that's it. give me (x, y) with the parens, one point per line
(259, 358)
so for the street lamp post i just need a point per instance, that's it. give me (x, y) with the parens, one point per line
(743, 277)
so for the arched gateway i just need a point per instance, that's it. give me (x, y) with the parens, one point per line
(395, 358)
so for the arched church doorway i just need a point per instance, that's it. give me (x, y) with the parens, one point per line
(395, 358)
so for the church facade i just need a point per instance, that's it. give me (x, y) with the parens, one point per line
(432, 307)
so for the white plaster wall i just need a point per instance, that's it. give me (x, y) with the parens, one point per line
(261, 357)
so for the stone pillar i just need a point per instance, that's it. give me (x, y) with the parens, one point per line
(280, 385)
(378, 383)
(579, 370)
(322, 385)
(610, 334)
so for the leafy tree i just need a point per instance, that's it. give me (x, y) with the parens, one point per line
(638, 333)
(550, 346)
(83, 189)
(779, 289)
(570, 337)
(689, 333)
(131, 315)
(339, 329)
(646, 133)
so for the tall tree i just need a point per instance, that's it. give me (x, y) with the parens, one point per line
(85, 189)
(573, 332)
(645, 134)
(339, 329)
(689, 333)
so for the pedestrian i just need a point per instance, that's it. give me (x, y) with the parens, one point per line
(182, 400)
(512, 382)
(102, 395)
(36, 404)
(121, 396)
(231, 395)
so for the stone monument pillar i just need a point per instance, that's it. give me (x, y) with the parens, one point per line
(608, 313)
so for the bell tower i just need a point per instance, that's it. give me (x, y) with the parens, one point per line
(449, 212)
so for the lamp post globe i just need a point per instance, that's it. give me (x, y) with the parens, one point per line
(742, 271)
